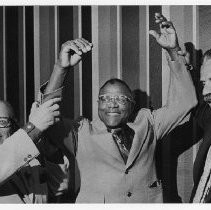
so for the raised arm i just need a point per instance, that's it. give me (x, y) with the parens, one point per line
(181, 93)
(70, 55)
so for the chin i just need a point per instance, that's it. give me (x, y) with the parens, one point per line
(113, 125)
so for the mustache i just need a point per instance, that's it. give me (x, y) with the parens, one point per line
(207, 98)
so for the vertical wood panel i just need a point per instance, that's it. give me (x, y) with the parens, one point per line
(165, 67)
(1, 54)
(155, 62)
(87, 65)
(21, 64)
(36, 12)
(12, 52)
(95, 61)
(77, 68)
(66, 33)
(107, 32)
(119, 42)
(130, 46)
(204, 27)
(113, 41)
(143, 58)
(47, 37)
(29, 58)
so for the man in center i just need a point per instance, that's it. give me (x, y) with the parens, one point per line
(115, 157)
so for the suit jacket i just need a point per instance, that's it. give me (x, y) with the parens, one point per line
(104, 177)
(26, 177)
(203, 119)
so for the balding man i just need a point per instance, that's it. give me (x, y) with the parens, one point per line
(27, 172)
(115, 157)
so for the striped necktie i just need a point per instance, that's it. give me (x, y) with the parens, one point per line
(123, 138)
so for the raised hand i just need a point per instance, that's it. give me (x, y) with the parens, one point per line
(167, 37)
(72, 51)
(45, 115)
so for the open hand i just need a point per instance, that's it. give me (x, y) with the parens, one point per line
(167, 37)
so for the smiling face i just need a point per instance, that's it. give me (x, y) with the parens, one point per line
(113, 113)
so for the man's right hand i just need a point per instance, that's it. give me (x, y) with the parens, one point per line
(72, 51)
(45, 115)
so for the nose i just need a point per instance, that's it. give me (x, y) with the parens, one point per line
(113, 103)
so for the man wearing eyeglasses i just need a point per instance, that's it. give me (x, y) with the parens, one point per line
(28, 172)
(115, 157)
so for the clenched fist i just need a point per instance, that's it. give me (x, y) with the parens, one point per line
(72, 51)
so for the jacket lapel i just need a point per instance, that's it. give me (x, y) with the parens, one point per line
(104, 139)
(138, 142)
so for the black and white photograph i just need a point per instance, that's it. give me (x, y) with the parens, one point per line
(105, 103)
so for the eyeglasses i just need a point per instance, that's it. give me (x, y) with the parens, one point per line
(6, 122)
(120, 99)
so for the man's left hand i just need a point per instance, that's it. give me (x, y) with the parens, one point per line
(167, 37)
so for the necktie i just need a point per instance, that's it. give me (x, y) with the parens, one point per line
(120, 143)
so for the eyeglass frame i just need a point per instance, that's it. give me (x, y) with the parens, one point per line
(10, 123)
(128, 99)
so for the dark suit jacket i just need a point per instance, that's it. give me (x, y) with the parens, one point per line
(203, 118)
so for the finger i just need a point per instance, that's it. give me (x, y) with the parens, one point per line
(56, 113)
(34, 106)
(154, 34)
(160, 16)
(85, 44)
(51, 102)
(81, 45)
(54, 107)
(71, 45)
(167, 24)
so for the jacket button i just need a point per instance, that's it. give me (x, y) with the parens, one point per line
(29, 156)
(129, 194)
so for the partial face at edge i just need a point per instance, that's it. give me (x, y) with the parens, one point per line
(5, 111)
(113, 114)
(205, 79)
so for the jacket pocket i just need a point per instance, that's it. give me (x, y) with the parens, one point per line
(155, 192)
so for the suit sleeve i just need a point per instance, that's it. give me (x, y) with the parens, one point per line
(58, 167)
(180, 100)
(15, 152)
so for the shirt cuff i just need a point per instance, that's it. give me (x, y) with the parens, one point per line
(33, 132)
(45, 97)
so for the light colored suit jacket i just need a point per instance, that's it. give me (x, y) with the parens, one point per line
(104, 177)
(23, 179)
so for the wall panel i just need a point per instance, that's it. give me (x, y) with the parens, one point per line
(87, 64)
(155, 62)
(130, 46)
(1, 54)
(65, 34)
(29, 53)
(12, 55)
